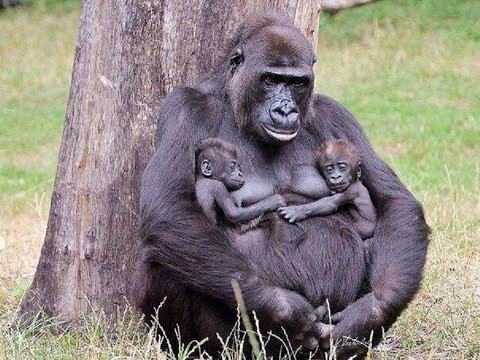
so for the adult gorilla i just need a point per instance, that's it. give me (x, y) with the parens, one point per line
(260, 98)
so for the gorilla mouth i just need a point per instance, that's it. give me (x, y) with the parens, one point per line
(238, 183)
(281, 136)
(338, 187)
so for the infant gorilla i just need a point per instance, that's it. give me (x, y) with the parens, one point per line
(218, 173)
(339, 164)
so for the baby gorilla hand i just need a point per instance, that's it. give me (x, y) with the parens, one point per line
(275, 202)
(293, 213)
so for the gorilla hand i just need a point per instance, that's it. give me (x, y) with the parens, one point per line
(357, 321)
(275, 202)
(299, 318)
(293, 213)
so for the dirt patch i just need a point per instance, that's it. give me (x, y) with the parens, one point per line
(21, 239)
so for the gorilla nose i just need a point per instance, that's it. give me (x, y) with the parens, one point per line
(287, 107)
(284, 115)
(336, 179)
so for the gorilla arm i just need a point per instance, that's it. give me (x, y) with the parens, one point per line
(398, 248)
(177, 235)
(236, 214)
(324, 206)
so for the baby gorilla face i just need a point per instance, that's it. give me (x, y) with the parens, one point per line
(338, 175)
(218, 159)
(339, 163)
(230, 174)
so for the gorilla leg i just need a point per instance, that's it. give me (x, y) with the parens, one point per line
(210, 318)
(154, 286)
(199, 316)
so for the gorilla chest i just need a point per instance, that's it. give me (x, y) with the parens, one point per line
(269, 170)
(257, 187)
(266, 180)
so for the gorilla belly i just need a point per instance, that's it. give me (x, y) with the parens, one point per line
(320, 258)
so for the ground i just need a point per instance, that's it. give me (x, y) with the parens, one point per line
(409, 71)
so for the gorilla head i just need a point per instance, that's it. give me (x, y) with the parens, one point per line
(339, 163)
(270, 80)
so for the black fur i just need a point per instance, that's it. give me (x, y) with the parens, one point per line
(191, 263)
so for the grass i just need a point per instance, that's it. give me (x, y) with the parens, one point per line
(410, 73)
(409, 70)
(36, 56)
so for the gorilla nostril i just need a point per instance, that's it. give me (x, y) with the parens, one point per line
(284, 115)
(284, 107)
(336, 179)
(290, 109)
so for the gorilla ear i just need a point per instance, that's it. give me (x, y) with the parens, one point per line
(314, 60)
(206, 168)
(236, 60)
(359, 170)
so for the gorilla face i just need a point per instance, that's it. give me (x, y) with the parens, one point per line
(272, 83)
(339, 174)
(279, 114)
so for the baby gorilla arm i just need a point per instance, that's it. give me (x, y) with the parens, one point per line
(364, 214)
(324, 206)
(236, 214)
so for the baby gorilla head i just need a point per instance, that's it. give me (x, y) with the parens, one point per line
(339, 163)
(218, 160)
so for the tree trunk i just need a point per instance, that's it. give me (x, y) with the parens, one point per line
(334, 6)
(128, 56)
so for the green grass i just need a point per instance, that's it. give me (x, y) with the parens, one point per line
(36, 56)
(408, 70)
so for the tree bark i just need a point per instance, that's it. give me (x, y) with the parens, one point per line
(128, 56)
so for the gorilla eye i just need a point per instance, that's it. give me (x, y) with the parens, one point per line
(300, 82)
(270, 79)
(342, 166)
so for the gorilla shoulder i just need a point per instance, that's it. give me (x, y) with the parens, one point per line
(335, 119)
(185, 104)
(325, 105)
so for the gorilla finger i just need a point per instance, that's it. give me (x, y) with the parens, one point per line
(336, 318)
(323, 331)
(305, 321)
(310, 343)
(312, 317)
(321, 311)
